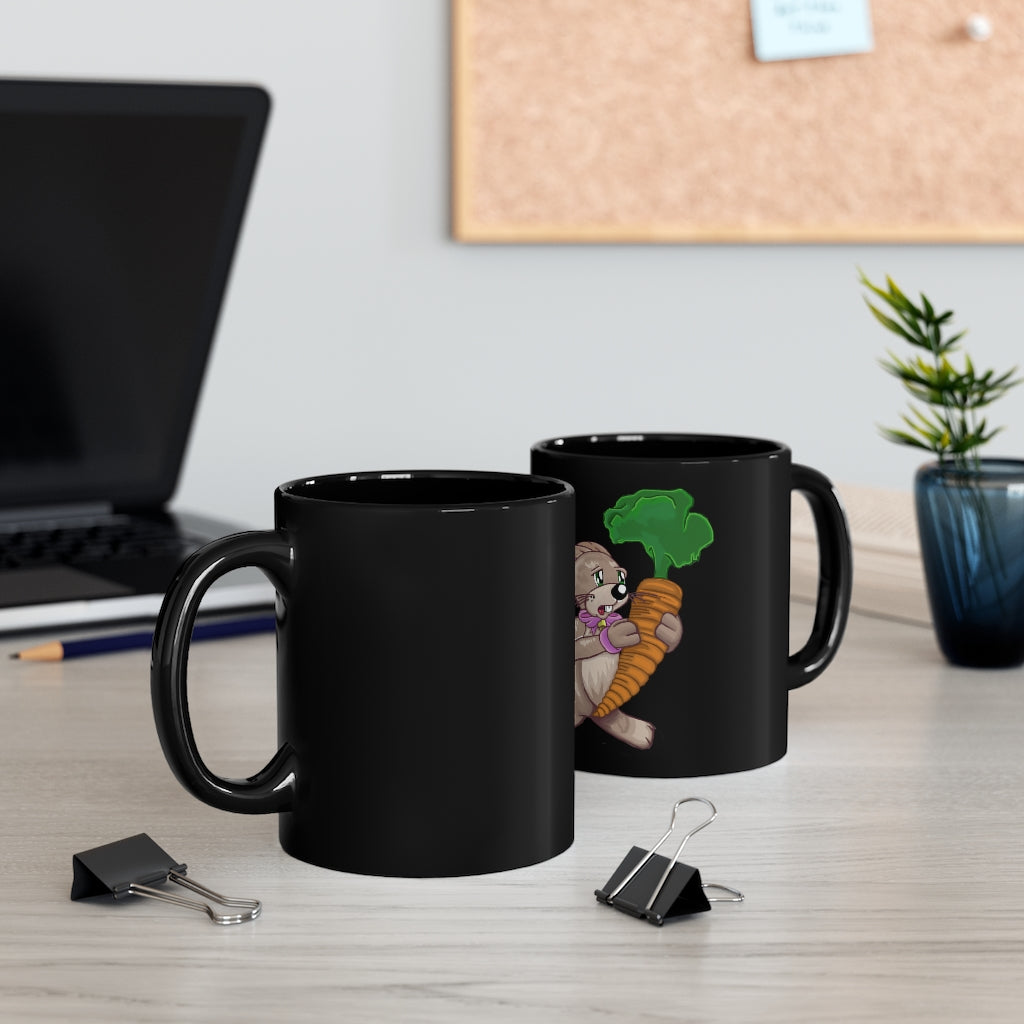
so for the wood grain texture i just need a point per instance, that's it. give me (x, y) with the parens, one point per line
(881, 861)
(652, 121)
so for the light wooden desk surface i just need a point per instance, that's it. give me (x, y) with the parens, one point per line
(882, 860)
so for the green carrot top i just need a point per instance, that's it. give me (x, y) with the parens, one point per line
(662, 521)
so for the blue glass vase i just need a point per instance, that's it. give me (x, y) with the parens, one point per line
(971, 524)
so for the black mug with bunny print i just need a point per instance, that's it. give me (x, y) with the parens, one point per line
(682, 593)
(424, 683)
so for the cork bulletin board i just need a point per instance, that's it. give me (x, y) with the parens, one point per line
(653, 121)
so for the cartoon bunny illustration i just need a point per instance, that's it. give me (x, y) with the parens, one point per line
(601, 633)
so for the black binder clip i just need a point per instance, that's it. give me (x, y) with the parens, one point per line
(132, 866)
(651, 886)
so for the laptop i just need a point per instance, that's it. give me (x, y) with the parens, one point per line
(120, 209)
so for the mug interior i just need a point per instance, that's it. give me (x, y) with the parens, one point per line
(427, 487)
(673, 447)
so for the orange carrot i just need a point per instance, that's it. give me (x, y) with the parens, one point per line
(653, 598)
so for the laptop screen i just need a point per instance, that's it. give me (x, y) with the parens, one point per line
(120, 206)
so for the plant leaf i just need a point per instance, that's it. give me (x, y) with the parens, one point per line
(892, 325)
(901, 437)
(897, 299)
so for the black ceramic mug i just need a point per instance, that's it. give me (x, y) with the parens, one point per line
(674, 685)
(424, 685)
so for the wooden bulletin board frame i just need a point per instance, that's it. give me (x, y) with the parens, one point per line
(652, 121)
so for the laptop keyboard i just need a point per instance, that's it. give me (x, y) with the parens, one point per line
(114, 537)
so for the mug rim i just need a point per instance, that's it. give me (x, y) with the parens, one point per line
(620, 442)
(546, 488)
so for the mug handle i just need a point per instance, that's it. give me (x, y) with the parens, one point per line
(271, 788)
(835, 577)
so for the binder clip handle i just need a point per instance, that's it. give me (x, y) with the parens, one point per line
(252, 907)
(735, 896)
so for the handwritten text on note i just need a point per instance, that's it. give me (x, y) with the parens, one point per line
(790, 29)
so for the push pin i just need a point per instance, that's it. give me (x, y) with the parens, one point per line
(653, 887)
(133, 866)
(978, 28)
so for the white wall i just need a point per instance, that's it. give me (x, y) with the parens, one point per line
(357, 335)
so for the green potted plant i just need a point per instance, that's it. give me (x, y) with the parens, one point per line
(970, 509)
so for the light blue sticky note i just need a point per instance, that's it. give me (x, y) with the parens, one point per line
(790, 29)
